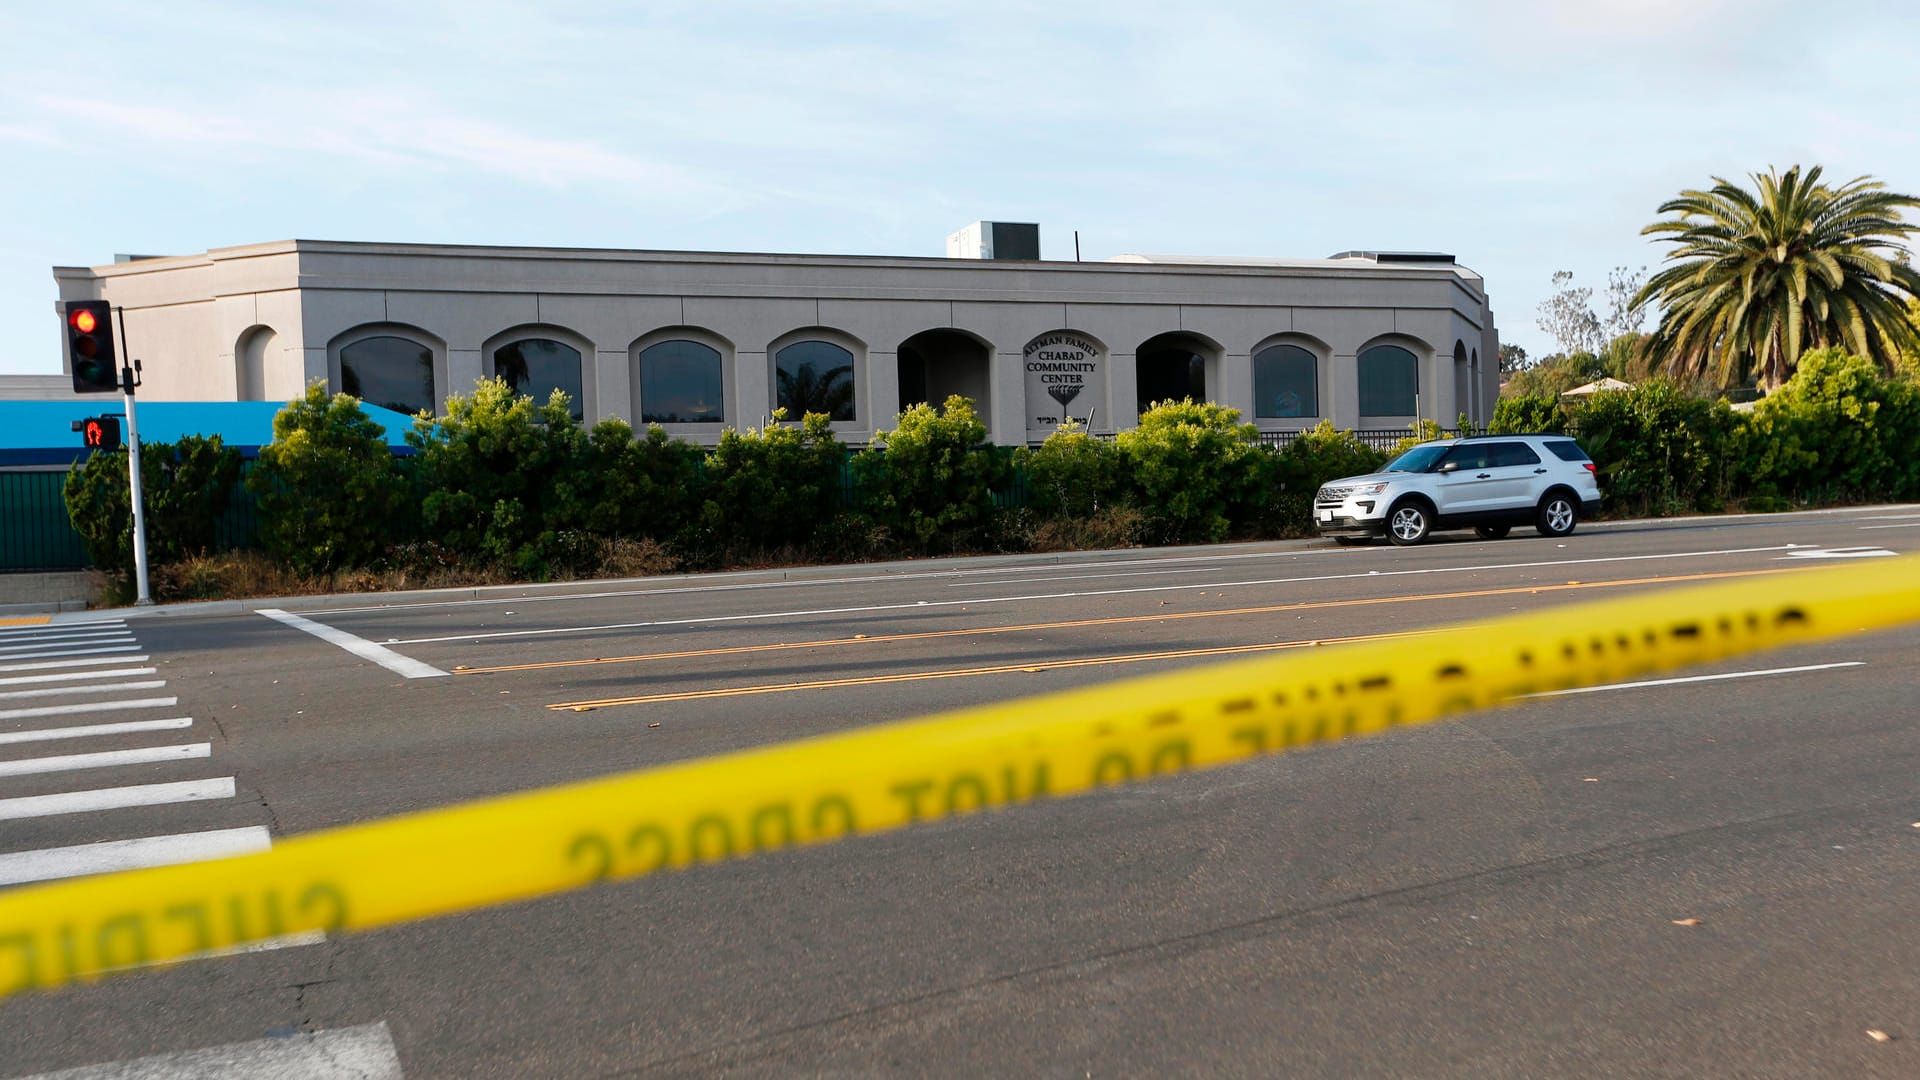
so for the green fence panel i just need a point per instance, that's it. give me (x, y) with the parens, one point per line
(35, 533)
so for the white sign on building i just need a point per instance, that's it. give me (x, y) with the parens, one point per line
(1066, 378)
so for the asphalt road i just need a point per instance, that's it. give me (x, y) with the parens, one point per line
(1508, 895)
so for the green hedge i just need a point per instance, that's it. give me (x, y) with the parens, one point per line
(500, 482)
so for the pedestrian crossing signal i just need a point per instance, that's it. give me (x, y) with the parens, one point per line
(99, 432)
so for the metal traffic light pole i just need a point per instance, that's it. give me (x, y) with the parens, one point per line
(129, 372)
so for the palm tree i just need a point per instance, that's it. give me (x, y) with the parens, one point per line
(807, 390)
(1756, 278)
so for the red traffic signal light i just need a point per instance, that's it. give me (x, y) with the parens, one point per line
(89, 341)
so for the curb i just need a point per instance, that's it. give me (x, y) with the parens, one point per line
(68, 612)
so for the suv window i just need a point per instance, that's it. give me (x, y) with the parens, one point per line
(1467, 456)
(1566, 450)
(1511, 453)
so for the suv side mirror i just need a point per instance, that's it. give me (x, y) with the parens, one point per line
(1448, 466)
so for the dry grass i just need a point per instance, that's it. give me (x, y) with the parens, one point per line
(1113, 527)
(238, 575)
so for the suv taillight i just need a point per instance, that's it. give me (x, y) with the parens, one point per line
(1591, 467)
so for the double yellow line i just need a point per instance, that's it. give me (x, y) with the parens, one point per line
(1043, 665)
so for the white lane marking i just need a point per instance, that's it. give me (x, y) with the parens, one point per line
(94, 651)
(105, 759)
(1908, 525)
(1840, 553)
(75, 676)
(356, 1053)
(358, 646)
(52, 665)
(88, 706)
(82, 731)
(1888, 517)
(1079, 577)
(93, 688)
(284, 941)
(48, 864)
(120, 798)
(1699, 679)
(982, 601)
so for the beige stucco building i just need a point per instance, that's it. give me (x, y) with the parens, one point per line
(700, 341)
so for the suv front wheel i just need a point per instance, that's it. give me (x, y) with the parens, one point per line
(1558, 513)
(1408, 523)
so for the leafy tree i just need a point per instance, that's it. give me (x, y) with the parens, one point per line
(1659, 449)
(1757, 277)
(1525, 414)
(1072, 474)
(1567, 316)
(1194, 467)
(1837, 430)
(1512, 358)
(930, 480)
(771, 488)
(633, 487)
(501, 478)
(1294, 472)
(328, 491)
(1555, 375)
(185, 486)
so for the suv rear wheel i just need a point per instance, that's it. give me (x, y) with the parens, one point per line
(1408, 523)
(1558, 513)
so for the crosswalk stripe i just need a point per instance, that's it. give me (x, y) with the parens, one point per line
(50, 665)
(80, 802)
(47, 864)
(105, 759)
(91, 651)
(95, 688)
(77, 622)
(74, 676)
(56, 627)
(83, 731)
(87, 707)
(22, 640)
(64, 642)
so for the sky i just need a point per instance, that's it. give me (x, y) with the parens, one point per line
(1522, 136)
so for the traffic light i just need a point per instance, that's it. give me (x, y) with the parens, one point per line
(99, 432)
(90, 347)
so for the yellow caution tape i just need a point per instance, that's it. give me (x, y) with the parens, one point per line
(872, 780)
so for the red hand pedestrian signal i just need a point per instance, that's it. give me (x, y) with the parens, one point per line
(99, 432)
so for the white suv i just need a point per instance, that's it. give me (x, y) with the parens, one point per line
(1488, 482)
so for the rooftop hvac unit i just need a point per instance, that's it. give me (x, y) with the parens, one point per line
(995, 240)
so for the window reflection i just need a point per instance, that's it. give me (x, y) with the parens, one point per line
(814, 377)
(391, 372)
(680, 383)
(537, 367)
(1286, 382)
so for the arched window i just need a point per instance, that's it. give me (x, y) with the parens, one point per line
(680, 383)
(1286, 382)
(814, 376)
(1389, 381)
(538, 366)
(392, 372)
